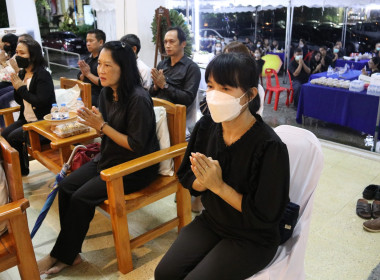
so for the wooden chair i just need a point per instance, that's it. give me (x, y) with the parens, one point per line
(119, 205)
(16, 246)
(85, 93)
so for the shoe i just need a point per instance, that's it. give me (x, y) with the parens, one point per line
(363, 209)
(24, 172)
(370, 191)
(376, 209)
(372, 225)
(377, 194)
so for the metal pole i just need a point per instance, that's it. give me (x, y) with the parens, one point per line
(344, 28)
(376, 128)
(187, 12)
(256, 17)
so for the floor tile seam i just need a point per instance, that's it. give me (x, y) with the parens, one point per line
(351, 150)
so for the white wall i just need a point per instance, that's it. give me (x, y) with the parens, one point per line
(138, 16)
(22, 14)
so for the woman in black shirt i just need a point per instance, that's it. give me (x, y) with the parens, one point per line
(240, 168)
(33, 90)
(316, 62)
(127, 122)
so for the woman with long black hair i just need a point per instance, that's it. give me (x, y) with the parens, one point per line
(127, 122)
(33, 91)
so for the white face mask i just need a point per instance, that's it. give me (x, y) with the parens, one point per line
(257, 55)
(223, 107)
(301, 45)
(298, 57)
(218, 49)
(258, 45)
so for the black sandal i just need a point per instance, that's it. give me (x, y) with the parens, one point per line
(370, 191)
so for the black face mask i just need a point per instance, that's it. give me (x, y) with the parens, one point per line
(22, 62)
(7, 48)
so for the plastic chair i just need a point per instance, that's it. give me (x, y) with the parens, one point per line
(306, 163)
(290, 89)
(277, 88)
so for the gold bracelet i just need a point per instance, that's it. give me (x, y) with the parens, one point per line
(101, 128)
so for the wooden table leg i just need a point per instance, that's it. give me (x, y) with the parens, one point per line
(64, 154)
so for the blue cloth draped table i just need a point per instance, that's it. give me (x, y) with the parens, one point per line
(359, 65)
(356, 110)
(350, 75)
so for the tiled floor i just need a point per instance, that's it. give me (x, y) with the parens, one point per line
(338, 247)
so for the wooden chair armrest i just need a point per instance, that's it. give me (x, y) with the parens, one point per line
(13, 209)
(10, 110)
(143, 162)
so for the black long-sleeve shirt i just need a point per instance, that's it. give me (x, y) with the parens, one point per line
(183, 81)
(40, 94)
(257, 166)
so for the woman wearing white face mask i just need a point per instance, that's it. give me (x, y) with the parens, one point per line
(229, 162)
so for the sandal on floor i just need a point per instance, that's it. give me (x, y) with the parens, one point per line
(370, 191)
(376, 209)
(377, 194)
(363, 209)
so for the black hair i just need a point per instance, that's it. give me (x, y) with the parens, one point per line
(26, 36)
(303, 41)
(180, 33)
(12, 40)
(323, 47)
(315, 53)
(237, 70)
(259, 50)
(132, 40)
(298, 50)
(123, 55)
(376, 60)
(99, 34)
(35, 52)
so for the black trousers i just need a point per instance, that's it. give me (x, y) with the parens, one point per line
(16, 137)
(200, 253)
(78, 195)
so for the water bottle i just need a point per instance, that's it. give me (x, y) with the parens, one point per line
(54, 112)
(79, 104)
(63, 112)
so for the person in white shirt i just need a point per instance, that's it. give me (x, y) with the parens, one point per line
(134, 42)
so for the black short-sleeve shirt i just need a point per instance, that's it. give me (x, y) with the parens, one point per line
(137, 120)
(302, 77)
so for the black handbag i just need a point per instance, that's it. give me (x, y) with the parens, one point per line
(288, 221)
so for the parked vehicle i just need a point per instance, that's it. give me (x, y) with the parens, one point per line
(65, 41)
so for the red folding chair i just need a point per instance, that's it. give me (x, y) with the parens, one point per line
(290, 89)
(277, 89)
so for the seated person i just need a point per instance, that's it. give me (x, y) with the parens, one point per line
(134, 41)
(299, 71)
(218, 48)
(33, 90)
(95, 39)
(275, 46)
(373, 65)
(229, 163)
(302, 44)
(376, 51)
(177, 77)
(126, 121)
(266, 46)
(325, 59)
(259, 61)
(316, 62)
(9, 43)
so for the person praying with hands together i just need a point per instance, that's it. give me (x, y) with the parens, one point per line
(229, 162)
(126, 121)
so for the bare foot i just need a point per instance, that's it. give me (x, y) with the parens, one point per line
(58, 266)
(46, 263)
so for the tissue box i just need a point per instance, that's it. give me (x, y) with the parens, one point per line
(356, 86)
(373, 90)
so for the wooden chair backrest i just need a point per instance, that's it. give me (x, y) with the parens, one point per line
(11, 165)
(85, 89)
(176, 117)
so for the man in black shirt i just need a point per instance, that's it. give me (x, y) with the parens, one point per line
(299, 71)
(88, 67)
(176, 78)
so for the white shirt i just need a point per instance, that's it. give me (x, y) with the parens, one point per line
(144, 73)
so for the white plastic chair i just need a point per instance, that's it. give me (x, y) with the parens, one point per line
(306, 163)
